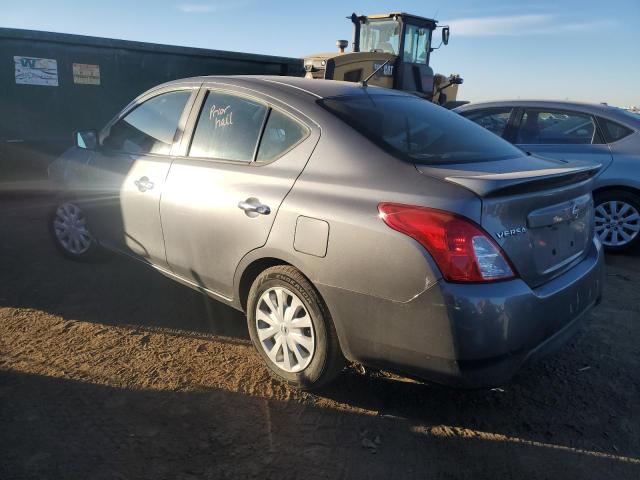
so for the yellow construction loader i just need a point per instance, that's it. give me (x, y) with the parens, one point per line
(390, 50)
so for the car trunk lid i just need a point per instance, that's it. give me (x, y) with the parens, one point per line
(539, 211)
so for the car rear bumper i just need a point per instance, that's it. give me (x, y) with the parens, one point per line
(467, 335)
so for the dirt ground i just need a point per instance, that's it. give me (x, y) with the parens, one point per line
(112, 371)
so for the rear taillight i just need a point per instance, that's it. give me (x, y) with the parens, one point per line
(460, 248)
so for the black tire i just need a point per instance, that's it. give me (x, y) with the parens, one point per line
(91, 254)
(327, 360)
(629, 198)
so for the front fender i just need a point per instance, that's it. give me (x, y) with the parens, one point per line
(65, 172)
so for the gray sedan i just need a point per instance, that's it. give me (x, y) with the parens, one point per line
(569, 130)
(348, 222)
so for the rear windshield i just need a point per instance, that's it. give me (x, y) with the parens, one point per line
(416, 130)
(633, 115)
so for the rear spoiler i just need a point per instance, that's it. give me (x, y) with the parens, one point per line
(487, 184)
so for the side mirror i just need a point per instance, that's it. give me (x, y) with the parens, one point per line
(445, 35)
(455, 79)
(87, 139)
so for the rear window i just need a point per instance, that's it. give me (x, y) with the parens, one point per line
(632, 114)
(613, 131)
(280, 135)
(419, 131)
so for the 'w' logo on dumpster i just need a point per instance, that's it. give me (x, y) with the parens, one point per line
(28, 62)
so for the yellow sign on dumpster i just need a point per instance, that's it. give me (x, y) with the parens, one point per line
(86, 74)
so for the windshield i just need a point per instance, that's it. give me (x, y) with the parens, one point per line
(380, 35)
(417, 130)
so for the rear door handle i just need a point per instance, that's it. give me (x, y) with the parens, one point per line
(144, 184)
(252, 207)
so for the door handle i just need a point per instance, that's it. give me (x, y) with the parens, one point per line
(252, 207)
(144, 184)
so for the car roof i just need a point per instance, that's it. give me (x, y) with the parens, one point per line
(601, 109)
(533, 103)
(313, 88)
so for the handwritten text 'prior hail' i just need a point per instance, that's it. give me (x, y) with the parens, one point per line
(222, 116)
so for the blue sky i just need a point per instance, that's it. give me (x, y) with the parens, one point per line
(581, 50)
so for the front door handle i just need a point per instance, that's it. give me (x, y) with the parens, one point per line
(252, 207)
(144, 184)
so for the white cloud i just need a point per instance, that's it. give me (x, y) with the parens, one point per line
(517, 25)
(196, 7)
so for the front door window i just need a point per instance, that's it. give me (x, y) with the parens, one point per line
(150, 127)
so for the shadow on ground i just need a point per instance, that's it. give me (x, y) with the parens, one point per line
(102, 432)
(113, 371)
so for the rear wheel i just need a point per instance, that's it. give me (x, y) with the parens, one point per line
(617, 216)
(70, 231)
(292, 329)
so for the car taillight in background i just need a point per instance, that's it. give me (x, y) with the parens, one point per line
(461, 249)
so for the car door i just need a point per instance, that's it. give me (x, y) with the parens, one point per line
(562, 134)
(223, 193)
(126, 174)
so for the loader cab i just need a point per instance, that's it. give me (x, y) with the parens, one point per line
(408, 37)
(401, 34)
(391, 50)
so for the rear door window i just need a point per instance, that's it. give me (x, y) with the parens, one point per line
(281, 134)
(556, 128)
(495, 119)
(613, 131)
(149, 127)
(228, 128)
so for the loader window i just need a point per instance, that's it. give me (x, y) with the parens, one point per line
(380, 36)
(416, 130)
(416, 44)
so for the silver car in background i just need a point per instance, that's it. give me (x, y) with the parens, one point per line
(348, 222)
(599, 133)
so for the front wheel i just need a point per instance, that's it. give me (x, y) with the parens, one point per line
(70, 231)
(292, 329)
(617, 216)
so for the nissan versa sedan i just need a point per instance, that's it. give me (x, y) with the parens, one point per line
(568, 130)
(348, 222)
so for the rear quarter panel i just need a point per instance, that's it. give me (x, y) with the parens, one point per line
(343, 183)
(624, 170)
